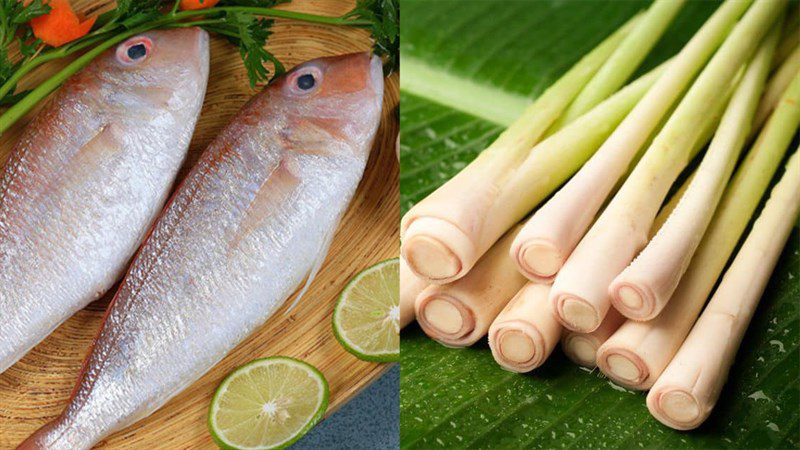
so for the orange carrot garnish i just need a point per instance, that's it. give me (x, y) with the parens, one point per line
(197, 4)
(61, 25)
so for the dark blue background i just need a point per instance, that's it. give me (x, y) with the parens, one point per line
(369, 421)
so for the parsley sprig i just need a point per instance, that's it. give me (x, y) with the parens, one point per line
(13, 16)
(382, 18)
(246, 23)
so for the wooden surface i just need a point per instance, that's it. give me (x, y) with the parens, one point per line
(35, 390)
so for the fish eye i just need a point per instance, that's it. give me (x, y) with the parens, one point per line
(137, 51)
(306, 82)
(134, 50)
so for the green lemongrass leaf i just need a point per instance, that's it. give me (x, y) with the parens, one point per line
(461, 398)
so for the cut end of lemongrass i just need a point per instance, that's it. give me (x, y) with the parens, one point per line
(431, 257)
(623, 367)
(539, 260)
(676, 408)
(444, 316)
(435, 250)
(445, 319)
(517, 347)
(581, 349)
(633, 301)
(577, 314)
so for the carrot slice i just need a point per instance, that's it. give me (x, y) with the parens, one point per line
(61, 25)
(197, 4)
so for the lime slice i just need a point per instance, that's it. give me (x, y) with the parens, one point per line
(366, 320)
(267, 404)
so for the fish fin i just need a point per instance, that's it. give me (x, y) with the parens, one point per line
(96, 157)
(322, 253)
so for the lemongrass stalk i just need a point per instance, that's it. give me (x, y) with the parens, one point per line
(442, 234)
(580, 290)
(670, 206)
(581, 348)
(624, 61)
(430, 240)
(556, 228)
(638, 352)
(525, 333)
(687, 391)
(776, 87)
(708, 126)
(790, 39)
(786, 47)
(556, 158)
(410, 287)
(642, 290)
(459, 313)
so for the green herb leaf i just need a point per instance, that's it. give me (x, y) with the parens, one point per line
(28, 43)
(253, 3)
(129, 14)
(14, 18)
(384, 23)
(250, 34)
(22, 13)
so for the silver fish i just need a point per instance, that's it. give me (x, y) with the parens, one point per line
(88, 178)
(253, 218)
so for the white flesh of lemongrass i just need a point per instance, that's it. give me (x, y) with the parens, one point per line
(525, 333)
(552, 233)
(581, 348)
(549, 164)
(687, 391)
(636, 355)
(642, 290)
(444, 235)
(580, 290)
(457, 314)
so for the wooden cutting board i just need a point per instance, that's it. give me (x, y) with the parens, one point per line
(36, 389)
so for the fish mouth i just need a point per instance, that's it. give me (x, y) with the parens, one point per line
(376, 73)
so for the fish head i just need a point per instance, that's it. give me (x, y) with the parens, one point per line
(166, 68)
(333, 99)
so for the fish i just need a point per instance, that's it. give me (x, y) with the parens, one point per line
(89, 176)
(253, 218)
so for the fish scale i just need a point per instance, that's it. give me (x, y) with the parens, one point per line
(252, 220)
(87, 178)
